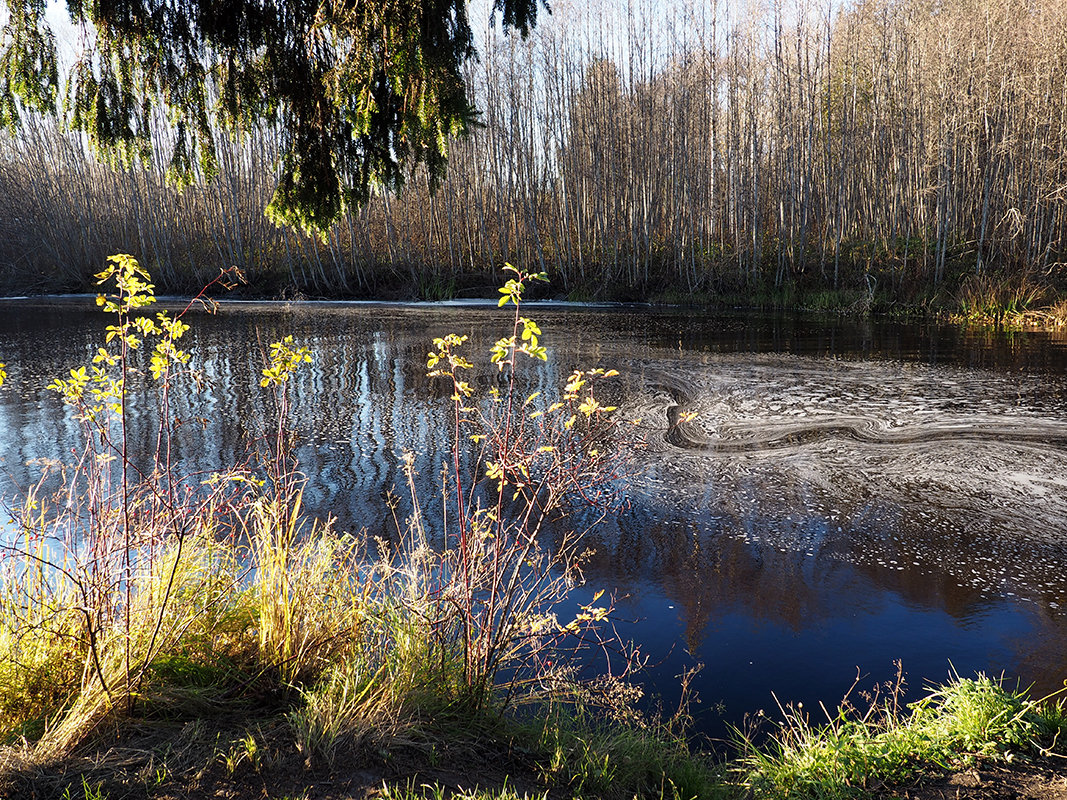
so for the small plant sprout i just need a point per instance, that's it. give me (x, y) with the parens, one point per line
(503, 352)
(532, 462)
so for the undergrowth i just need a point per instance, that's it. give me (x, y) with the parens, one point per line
(132, 588)
(1017, 300)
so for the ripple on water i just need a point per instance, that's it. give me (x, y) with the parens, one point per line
(899, 468)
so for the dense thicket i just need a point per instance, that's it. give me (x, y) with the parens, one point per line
(644, 146)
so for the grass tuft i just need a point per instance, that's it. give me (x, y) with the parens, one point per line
(953, 726)
(434, 791)
(1011, 300)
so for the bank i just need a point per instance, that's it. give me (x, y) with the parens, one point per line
(970, 738)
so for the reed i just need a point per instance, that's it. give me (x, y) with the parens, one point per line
(996, 299)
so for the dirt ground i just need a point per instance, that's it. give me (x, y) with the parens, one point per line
(1043, 779)
(192, 761)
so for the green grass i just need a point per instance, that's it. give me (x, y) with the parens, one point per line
(435, 791)
(953, 726)
(85, 792)
(436, 287)
(618, 760)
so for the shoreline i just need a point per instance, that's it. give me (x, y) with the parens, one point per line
(1014, 748)
(1049, 317)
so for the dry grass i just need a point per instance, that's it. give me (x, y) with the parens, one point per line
(1009, 300)
(131, 592)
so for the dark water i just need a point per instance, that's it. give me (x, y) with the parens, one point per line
(850, 492)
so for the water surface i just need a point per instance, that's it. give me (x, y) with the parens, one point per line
(849, 492)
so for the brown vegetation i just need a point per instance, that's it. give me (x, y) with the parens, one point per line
(889, 147)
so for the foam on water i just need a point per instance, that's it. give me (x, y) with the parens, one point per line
(911, 468)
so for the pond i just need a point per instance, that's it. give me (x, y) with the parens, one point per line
(850, 492)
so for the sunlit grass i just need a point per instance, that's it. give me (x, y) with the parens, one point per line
(597, 759)
(953, 726)
(1010, 300)
(298, 613)
(435, 791)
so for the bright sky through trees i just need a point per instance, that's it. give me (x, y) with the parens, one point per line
(360, 91)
